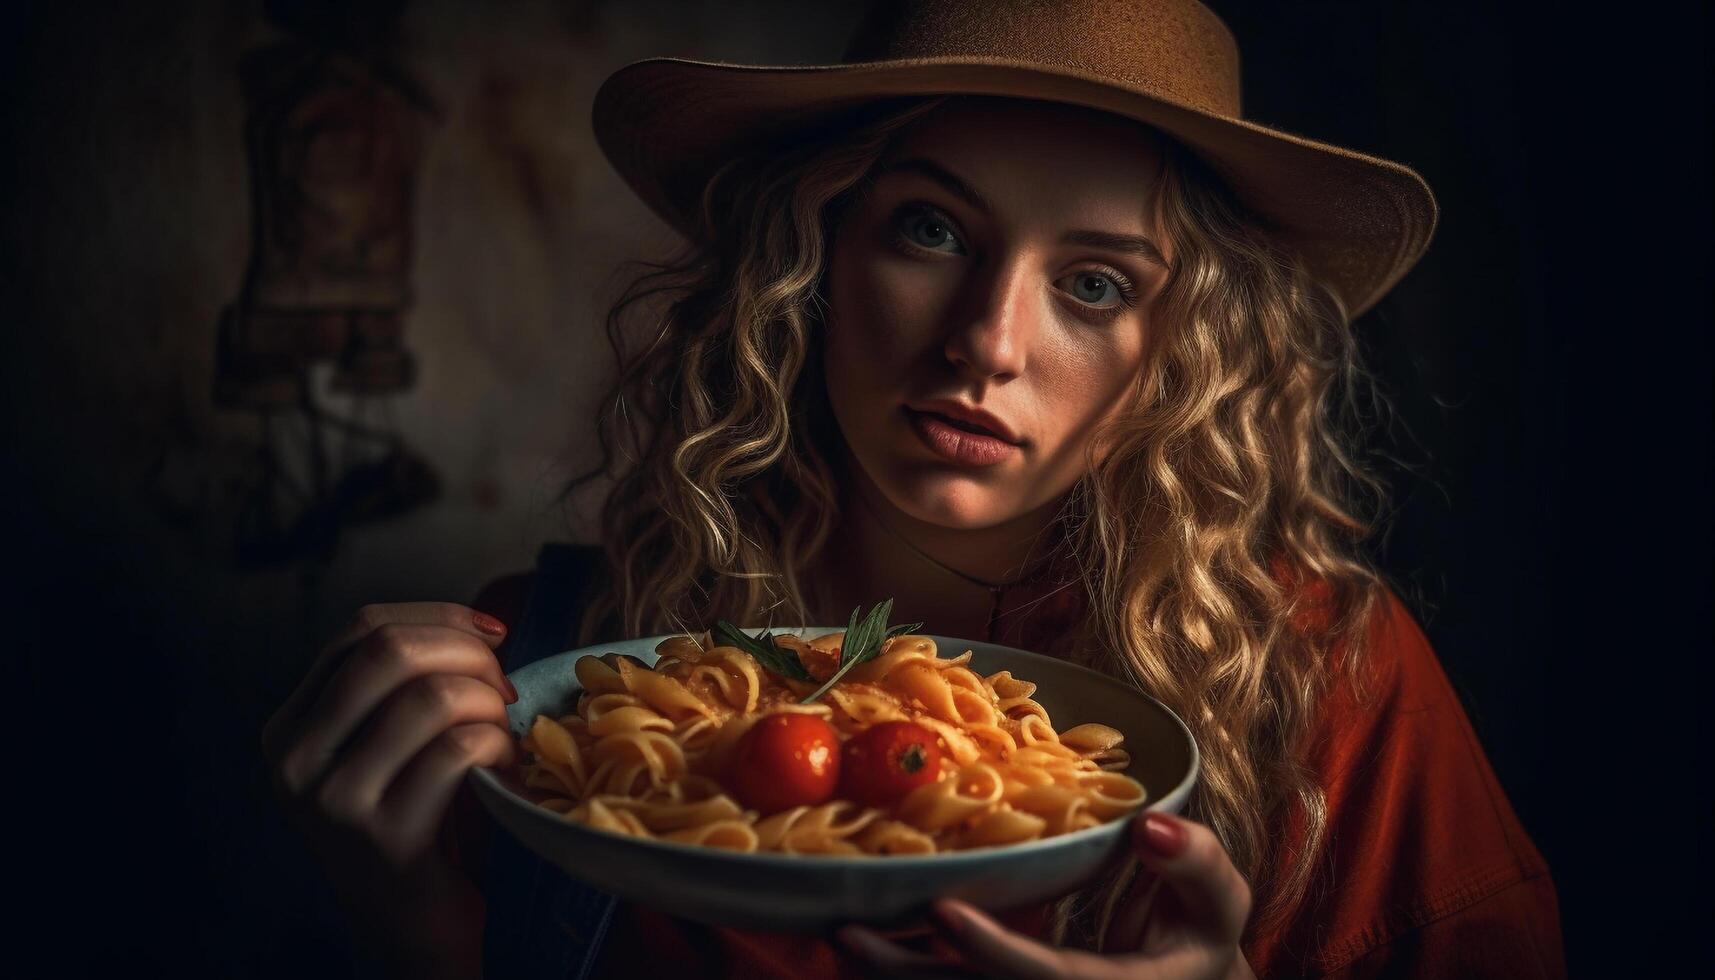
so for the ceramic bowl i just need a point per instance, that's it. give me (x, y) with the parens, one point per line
(791, 892)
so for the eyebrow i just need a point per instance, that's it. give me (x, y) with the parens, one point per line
(957, 186)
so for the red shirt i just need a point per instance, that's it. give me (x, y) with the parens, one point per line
(1426, 871)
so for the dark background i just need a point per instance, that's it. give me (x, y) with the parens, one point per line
(1549, 361)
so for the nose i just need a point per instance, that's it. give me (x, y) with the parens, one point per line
(996, 326)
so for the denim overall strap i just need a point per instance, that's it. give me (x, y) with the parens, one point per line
(541, 923)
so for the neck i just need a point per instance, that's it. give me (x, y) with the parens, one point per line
(880, 551)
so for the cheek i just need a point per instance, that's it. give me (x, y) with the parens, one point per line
(882, 321)
(1083, 383)
(884, 315)
(1109, 368)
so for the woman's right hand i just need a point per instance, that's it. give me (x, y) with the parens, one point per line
(367, 755)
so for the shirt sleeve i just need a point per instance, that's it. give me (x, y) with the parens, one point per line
(1425, 870)
(1511, 933)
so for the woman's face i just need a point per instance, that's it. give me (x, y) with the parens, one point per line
(989, 303)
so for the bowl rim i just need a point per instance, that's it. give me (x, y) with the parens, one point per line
(488, 780)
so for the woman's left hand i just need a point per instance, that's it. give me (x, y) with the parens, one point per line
(1182, 919)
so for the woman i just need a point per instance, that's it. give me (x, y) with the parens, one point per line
(1035, 336)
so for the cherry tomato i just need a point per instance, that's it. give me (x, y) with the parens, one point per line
(786, 760)
(885, 762)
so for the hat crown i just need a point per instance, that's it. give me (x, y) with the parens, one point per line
(1176, 49)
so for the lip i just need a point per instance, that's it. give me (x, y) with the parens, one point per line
(955, 444)
(969, 415)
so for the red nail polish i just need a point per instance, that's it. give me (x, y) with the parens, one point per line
(511, 690)
(488, 624)
(1163, 836)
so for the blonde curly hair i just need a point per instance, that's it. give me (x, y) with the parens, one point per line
(1226, 486)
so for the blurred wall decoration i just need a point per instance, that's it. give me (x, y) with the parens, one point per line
(334, 142)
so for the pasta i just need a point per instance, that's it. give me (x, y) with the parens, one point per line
(645, 752)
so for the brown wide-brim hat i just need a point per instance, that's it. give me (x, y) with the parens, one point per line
(1360, 222)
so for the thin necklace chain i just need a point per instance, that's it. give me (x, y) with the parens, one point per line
(995, 589)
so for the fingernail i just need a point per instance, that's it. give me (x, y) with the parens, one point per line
(511, 690)
(488, 624)
(1162, 835)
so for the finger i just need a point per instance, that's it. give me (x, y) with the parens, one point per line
(366, 621)
(372, 617)
(413, 717)
(385, 661)
(885, 959)
(1126, 931)
(415, 805)
(1191, 862)
(994, 949)
(449, 614)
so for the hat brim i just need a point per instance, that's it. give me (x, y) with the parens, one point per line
(1359, 221)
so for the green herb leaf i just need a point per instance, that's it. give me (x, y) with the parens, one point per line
(782, 662)
(863, 642)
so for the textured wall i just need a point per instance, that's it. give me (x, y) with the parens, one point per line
(135, 228)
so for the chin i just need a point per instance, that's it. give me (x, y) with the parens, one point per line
(949, 501)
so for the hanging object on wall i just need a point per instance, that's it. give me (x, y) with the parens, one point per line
(334, 140)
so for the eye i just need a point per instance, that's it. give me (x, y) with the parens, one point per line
(1103, 290)
(928, 228)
